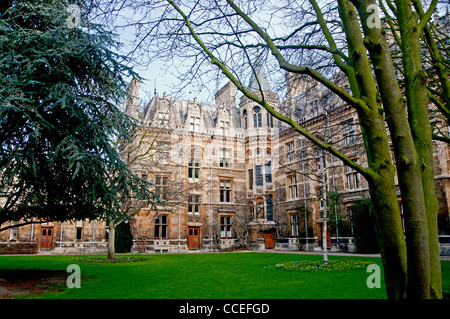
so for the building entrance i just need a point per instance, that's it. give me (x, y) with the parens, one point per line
(194, 238)
(46, 238)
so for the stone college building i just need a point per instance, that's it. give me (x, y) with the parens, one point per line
(229, 175)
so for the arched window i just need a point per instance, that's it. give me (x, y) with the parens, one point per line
(244, 114)
(269, 120)
(257, 116)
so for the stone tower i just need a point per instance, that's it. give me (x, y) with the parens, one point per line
(260, 130)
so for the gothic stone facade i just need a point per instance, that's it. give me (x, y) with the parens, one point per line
(228, 170)
(225, 169)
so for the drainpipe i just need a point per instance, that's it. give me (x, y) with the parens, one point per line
(333, 181)
(93, 233)
(304, 195)
(179, 198)
(324, 232)
(210, 195)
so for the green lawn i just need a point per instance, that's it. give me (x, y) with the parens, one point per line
(205, 276)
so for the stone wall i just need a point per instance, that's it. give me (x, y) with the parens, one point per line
(18, 248)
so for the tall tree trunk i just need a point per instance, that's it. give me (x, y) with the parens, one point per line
(408, 161)
(382, 186)
(388, 228)
(111, 240)
(418, 102)
(386, 212)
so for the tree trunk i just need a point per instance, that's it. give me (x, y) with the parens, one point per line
(382, 186)
(432, 207)
(388, 228)
(417, 97)
(386, 212)
(408, 161)
(111, 240)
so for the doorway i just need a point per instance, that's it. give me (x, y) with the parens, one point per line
(194, 238)
(269, 239)
(46, 238)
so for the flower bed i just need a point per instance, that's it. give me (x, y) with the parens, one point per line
(314, 266)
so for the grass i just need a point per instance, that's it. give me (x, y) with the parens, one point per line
(210, 276)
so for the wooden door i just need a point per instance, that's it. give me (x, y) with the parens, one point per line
(46, 238)
(269, 240)
(194, 238)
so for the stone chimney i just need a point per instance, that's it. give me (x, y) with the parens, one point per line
(226, 95)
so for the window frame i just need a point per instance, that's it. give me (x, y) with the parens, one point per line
(194, 124)
(348, 128)
(163, 119)
(225, 158)
(225, 191)
(194, 204)
(290, 152)
(250, 179)
(162, 152)
(194, 169)
(294, 224)
(161, 227)
(269, 120)
(259, 177)
(320, 197)
(268, 172)
(292, 185)
(162, 187)
(79, 234)
(352, 176)
(257, 116)
(224, 128)
(225, 224)
(244, 114)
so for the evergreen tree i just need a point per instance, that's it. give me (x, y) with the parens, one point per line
(60, 124)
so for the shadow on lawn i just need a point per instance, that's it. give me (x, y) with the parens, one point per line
(19, 283)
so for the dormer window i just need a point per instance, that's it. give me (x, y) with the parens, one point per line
(194, 124)
(163, 119)
(224, 128)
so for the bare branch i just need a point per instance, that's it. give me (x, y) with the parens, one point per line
(366, 172)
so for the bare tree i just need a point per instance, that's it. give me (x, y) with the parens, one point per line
(316, 39)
